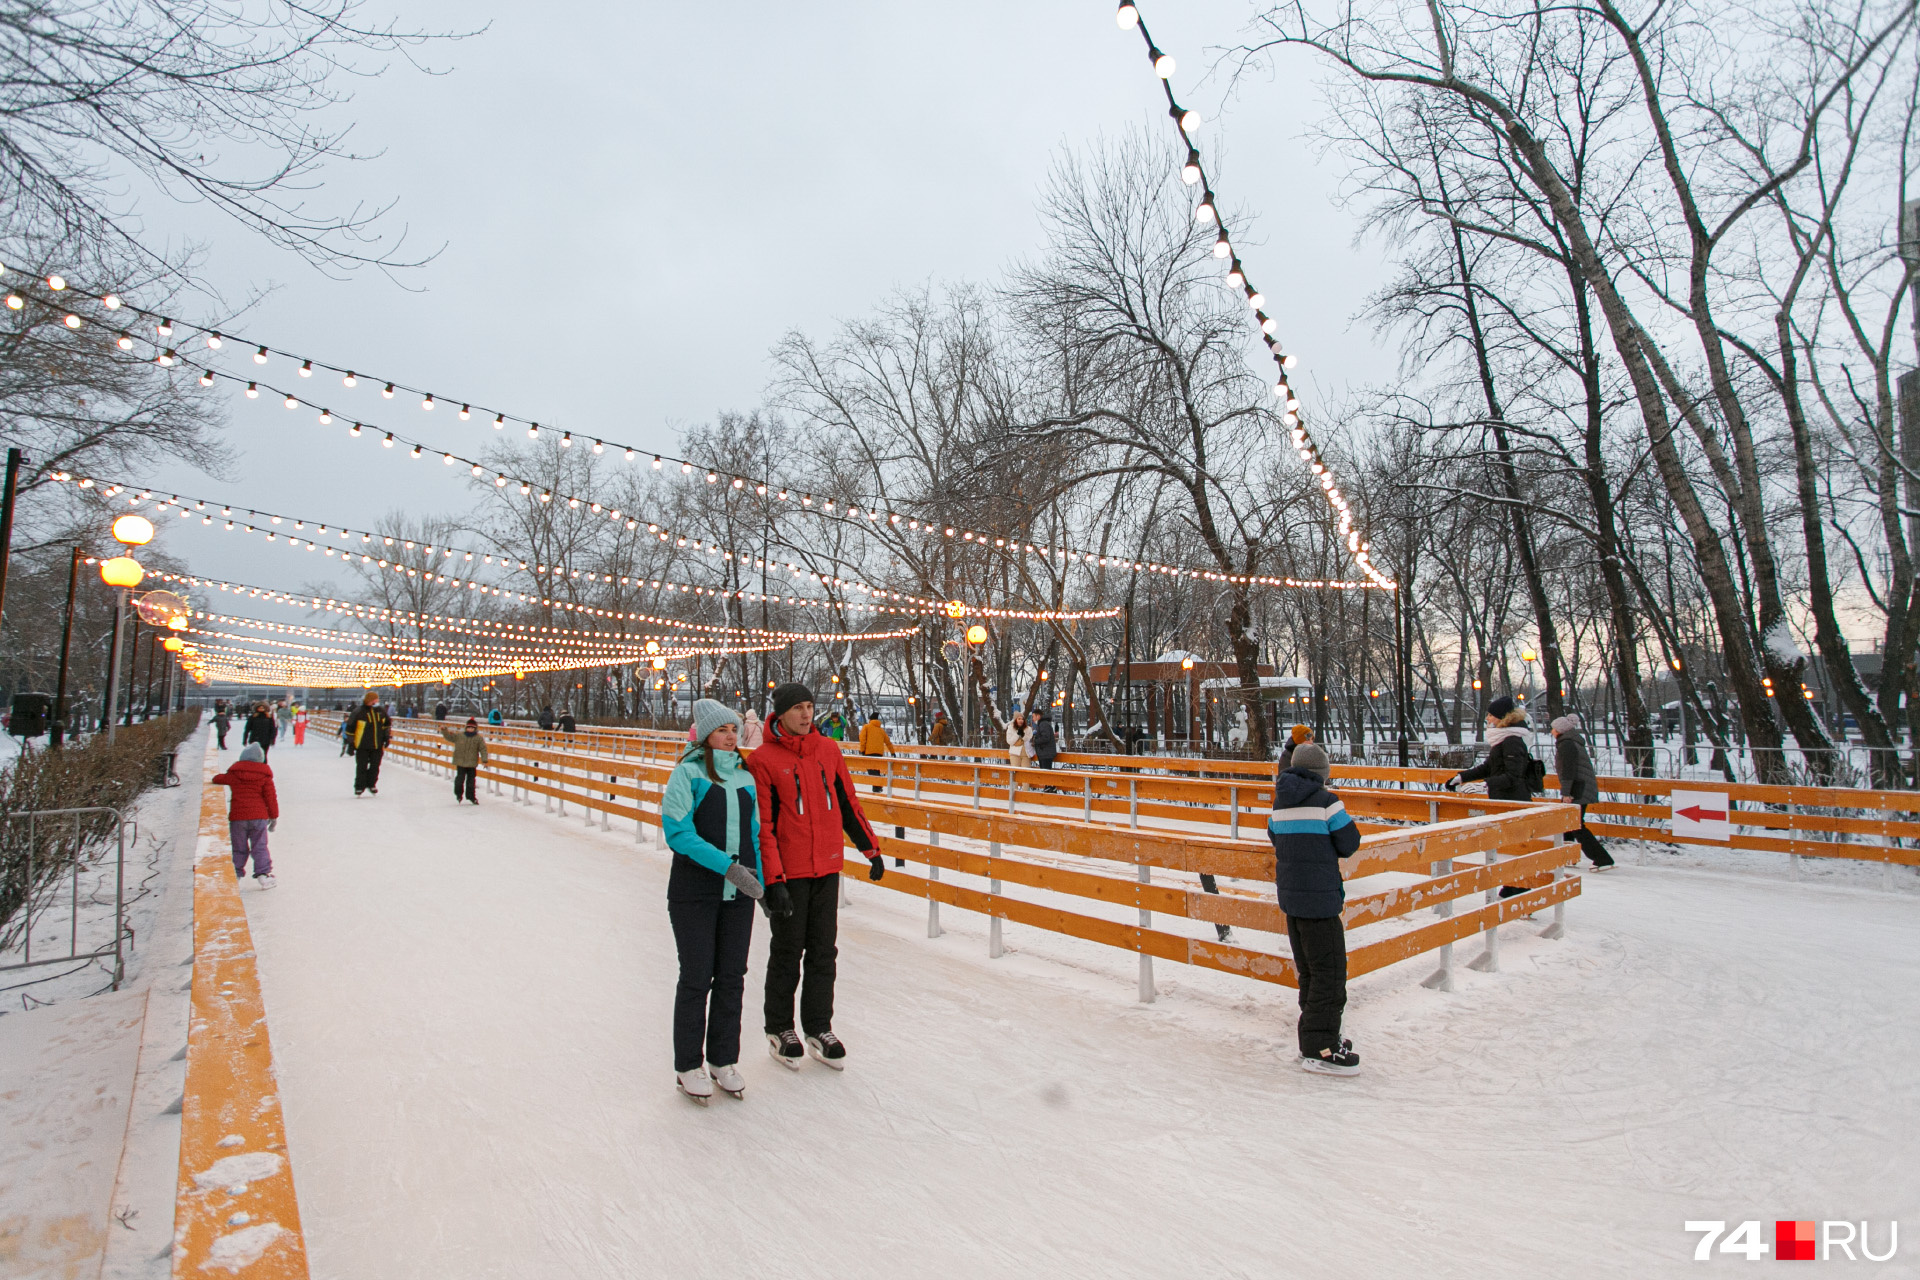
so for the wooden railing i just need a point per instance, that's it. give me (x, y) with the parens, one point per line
(1060, 872)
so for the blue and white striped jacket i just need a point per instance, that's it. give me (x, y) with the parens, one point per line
(1311, 832)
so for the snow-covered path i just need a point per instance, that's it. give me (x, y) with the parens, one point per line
(470, 1010)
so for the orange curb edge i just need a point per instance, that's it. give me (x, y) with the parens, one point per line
(234, 1210)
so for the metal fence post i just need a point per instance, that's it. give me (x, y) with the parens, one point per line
(1133, 803)
(1086, 806)
(1558, 929)
(1441, 979)
(976, 784)
(1146, 961)
(933, 874)
(994, 949)
(1233, 813)
(1488, 961)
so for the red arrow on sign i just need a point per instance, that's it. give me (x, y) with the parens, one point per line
(1694, 813)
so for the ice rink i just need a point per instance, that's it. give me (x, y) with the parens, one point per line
(470, 1008)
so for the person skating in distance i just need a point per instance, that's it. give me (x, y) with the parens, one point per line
(367, 732)
(1311, 832)
(711, 818)
(469, 753)
(808, 810)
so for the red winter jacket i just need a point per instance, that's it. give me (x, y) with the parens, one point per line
(807, 806)
(253, 796)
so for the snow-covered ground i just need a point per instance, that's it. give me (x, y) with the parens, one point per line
(470, 1010)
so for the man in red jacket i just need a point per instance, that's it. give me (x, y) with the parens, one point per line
(808, 812)
(252, 810)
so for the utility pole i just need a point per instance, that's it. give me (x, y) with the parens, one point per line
(57, 734)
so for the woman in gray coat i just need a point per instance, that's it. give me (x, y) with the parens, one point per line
(1579, 783)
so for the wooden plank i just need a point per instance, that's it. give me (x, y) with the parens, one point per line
(1404, 946)
(234, 1208)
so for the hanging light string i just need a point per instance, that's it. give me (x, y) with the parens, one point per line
(489, 627)
(187, 507)
(231, 661)
(494, 628)
(860, 511)
(1208, 213)
(605, 650)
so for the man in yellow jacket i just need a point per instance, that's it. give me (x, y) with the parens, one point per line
(368, 732)
(875, 742)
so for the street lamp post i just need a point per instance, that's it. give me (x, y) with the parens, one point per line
(57, 735)
(125, 573)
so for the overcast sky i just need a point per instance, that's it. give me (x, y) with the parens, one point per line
(637, 200)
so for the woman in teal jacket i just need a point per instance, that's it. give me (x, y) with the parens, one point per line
(711, 818)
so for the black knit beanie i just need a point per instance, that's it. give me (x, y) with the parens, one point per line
(788, 695)
(1501, 707)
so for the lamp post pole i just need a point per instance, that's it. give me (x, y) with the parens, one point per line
(14, 458)
(57, 735)
(113, 660)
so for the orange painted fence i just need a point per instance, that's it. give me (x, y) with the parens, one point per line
(1036, 865)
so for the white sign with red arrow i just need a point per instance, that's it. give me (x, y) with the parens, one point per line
(1702, 816)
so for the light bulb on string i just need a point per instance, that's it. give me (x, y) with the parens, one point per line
(123, 342)
(206, 379)
(599, 446)
(306, 369)
(15, 302)
(388, 442)
(1190, 171)
(466, 411)
(426, 402)
(354, 430)
(350, 381)
(260, 355)
(1204, 212)
(56, 283)
(387, 391)
(1236, 278)
(1127, 16)
(1162, 63)
(165, 359)
(253, 391)
(1223, 247)
(533, 431)
(566, 440)
(111, 302)
(1189, 120)
(292, 402)
(164, 328)
(499, 421)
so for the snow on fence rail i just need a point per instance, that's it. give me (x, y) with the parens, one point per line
(1094, 881)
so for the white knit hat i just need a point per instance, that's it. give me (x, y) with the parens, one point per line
(709, 715)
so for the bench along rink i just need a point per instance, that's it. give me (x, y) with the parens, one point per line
(471, 1011)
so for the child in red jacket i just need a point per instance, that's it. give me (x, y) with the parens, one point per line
(252, 811)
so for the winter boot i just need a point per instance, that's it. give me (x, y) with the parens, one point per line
(826, 1047)
(785, 1048)
(696, 1084)
(730, 1079)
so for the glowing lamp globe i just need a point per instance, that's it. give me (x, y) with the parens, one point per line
(1186, 663)
(976, 634)
(133, 531)
(121, 571)
(653, 646)
(177, 623)
(956, 610)
(173, 644)
(1528, 655)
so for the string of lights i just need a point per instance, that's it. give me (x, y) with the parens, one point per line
(862, 511)
(1207, 213)
(188, 506)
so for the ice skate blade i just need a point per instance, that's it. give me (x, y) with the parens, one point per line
(773, 1051)
(1313, 1066)
(838, 1064)
(692, 1097)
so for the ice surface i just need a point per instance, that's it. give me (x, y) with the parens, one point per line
(470, 1009)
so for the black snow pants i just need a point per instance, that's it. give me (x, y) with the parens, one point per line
(366, 769)
(807, 938)
(712, 938)
(1320, 956)
(1590, 843)
(463, 784)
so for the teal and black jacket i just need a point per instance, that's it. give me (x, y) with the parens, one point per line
(709, 825)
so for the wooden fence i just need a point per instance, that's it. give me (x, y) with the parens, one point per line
(1065, 874)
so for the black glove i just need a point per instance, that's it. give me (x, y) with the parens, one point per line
(876, 866)
(1453, 783)
(777, 903)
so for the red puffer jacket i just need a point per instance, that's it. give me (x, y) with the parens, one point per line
(807, 806)
(253, 795)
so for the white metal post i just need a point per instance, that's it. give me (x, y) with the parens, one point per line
(994, 949)
(1146, 961)
(1441, 979)
(1488, 961)
(933, 873)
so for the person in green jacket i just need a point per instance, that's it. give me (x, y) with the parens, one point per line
(469, 753)
(710, 816)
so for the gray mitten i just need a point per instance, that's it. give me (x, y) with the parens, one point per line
(745, 881)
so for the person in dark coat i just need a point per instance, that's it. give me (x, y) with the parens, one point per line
(1311, 831)
(261, 729)
(1508, 768)
(1045, 742)
(221, 723)
(368, 731)
(567, 723)
(545, 719)
(1579, 783)
(1295, 736)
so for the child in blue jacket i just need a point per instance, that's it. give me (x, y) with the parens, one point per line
(710, 815)
(1311, 832)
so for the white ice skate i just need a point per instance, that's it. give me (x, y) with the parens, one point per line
(265, 882)
(730, 1079)
(696, 1084)
(785, 1049)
